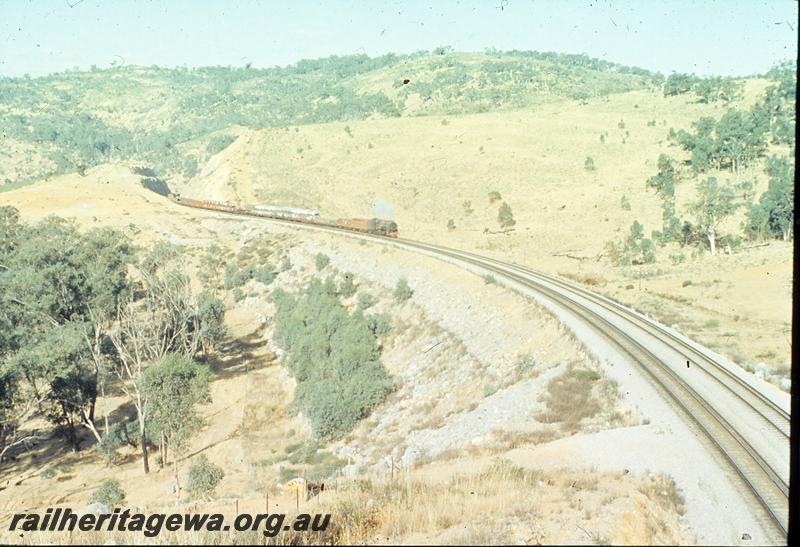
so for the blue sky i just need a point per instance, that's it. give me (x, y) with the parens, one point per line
(734, 37)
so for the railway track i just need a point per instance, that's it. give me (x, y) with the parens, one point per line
(768, 486)
(747, 427)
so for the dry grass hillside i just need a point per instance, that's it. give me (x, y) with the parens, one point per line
(421, 171)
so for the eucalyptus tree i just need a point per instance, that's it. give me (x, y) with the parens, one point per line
(58, 291)
(715, 202)
(163, 316)
(173, 387)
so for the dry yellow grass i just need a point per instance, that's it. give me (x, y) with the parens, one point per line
(421, 170)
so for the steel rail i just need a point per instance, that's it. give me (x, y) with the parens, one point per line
(775, 416)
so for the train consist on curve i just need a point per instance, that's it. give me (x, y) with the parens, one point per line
(375, 226)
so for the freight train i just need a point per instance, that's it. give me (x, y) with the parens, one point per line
(375, 226)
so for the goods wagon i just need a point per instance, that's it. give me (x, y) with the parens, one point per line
(276, 211)
(369, 225)
(212, 204)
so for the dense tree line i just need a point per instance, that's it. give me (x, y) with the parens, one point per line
(707, 90)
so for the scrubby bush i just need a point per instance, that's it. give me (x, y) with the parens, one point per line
(402, 291)
(347, 287)
(525, 364)
(489, 279)
(238, 294)
(264, 274)
(236, 276)
(494, 196)
(569, 399)
(110, 494)
(588, 164)
(203, 477)
(505, 217)
(219, 143)
(365, 301)
(321, 260)
(124, 433)
(625, 203)
(380, 324)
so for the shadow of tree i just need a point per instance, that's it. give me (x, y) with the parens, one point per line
(236, 356)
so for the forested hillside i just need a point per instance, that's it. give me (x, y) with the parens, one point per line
(71, 121)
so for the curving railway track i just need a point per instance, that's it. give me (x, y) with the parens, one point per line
(766, 476)
(747, 426)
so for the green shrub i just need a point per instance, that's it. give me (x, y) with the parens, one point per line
(110, 494)
(686, 283)
(625, 203)
(203, 477)
(525, 364)
(264, 274)
(584, 375)
(365, 301)
(380, 324)
(219, 143)
(588, 164)
(402, 291)
(321, 260)
(451, 225)
(347, 287)
(505, 217)
(489, 389)
(125, 433)
(494, 195)
(678, 258)
(236, 276)
(489, 279)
